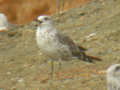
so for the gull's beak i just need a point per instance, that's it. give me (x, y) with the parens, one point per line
(38, 22)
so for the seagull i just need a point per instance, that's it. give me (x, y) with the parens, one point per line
(113, 77)
(3, 22)
(56, 45)
(5, 25)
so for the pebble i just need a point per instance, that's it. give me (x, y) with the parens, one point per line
(21, 80)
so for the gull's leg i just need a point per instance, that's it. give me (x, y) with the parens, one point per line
(60, 64)
(52, 69)
(59, 67)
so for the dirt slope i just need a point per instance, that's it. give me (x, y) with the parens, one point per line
(23, 11)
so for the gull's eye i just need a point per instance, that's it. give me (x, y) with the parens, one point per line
(46, 18)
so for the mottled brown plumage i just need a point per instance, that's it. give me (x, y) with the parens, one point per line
(56, 45)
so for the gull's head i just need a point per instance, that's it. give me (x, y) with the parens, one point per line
(114, 71)
(44, 20)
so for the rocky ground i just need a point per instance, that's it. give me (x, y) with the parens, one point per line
(94, 26)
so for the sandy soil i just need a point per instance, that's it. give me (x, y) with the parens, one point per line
(94, 26)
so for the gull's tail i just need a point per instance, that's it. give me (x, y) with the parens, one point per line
(87, 58)
(82, 48)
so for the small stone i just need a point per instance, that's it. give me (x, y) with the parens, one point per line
(21, 80)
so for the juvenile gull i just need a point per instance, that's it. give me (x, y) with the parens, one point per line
(113, 77)
(5, 25)
(56, 45)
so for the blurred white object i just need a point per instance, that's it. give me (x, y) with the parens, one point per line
(113, 77)
(3, 22)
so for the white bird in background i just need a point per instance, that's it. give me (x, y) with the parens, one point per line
(113, 77)
(56, 45)
(5, 25)
(3, 22)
